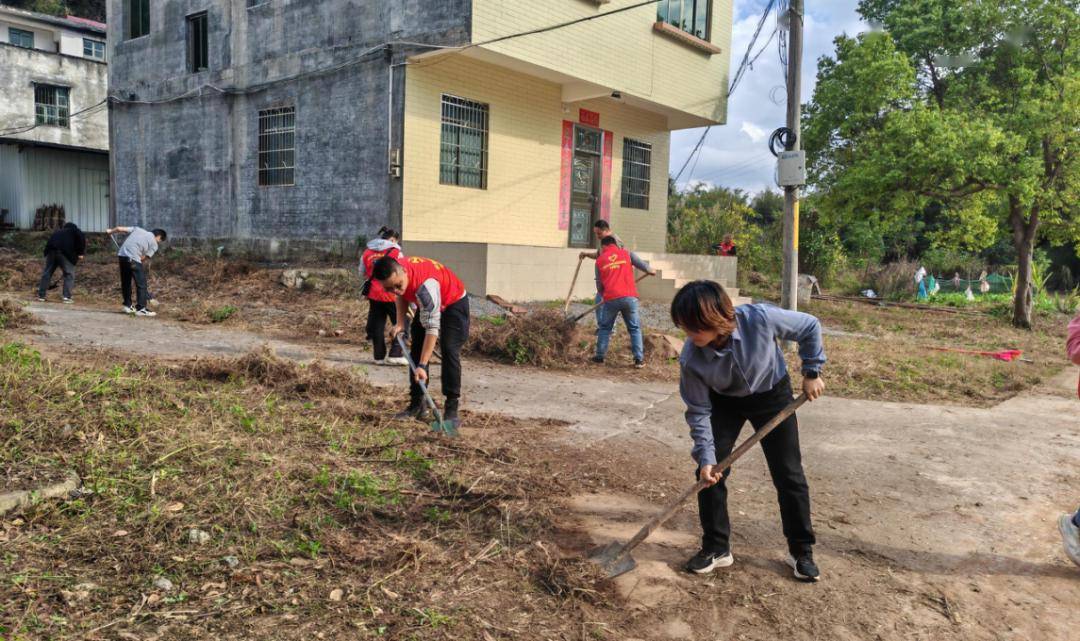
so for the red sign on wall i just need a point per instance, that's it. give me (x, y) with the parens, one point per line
(590, 118)
(564, 174)
(605, 178)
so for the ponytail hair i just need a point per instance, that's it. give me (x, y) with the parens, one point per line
(386, 233)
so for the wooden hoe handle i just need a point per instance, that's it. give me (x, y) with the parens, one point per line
(660, 519)
(593, 308)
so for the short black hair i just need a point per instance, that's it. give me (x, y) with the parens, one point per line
(608, 240)
(161, 233)
(703, 305)
(387, 233)
(601, 224)
(385, 267)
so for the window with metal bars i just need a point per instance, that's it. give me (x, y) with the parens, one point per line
(93, 49)
(21, 37)
(636, 170)
(463, 159)
(51, 105)
(277, 150)
(138, 17)
(197, 47)
(692, 16)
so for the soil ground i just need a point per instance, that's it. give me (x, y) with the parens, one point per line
(934, 521)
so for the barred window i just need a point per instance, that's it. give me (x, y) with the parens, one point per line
(636, 169)
(21, 37)
(51, 105)
(464, 148)
(692, 16)
(93, 49)
(277, 151)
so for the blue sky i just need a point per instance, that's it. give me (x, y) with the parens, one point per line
(736, 154)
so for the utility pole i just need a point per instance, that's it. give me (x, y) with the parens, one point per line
(790, 285)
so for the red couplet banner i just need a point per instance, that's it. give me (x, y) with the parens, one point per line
(605, 178)
(564, 174)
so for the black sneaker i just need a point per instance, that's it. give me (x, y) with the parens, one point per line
(450, 415)
(639, 364)
(415, 410)
(597, 359)
(705, 562)
(804, 567)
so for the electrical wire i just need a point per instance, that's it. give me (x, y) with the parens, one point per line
(22, 129)
(747, 60)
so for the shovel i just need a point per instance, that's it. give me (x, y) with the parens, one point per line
(438, 425)
(573, 320)
(614, 558)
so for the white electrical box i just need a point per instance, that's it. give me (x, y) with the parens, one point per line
(791, 167)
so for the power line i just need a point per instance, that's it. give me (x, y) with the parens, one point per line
(746, 62)
(198, 91)
(12, 131)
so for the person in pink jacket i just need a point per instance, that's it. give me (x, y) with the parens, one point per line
(1069, 524)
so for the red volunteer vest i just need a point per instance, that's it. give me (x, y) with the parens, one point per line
(377, 293)
(616, 273)
(420, 269)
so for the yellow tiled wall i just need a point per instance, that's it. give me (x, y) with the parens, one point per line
(521, 203)
(620, 51)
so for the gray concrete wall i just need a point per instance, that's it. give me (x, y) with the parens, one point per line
(189, 164)
(20, 68)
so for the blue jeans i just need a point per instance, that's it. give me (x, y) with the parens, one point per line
(605, 323)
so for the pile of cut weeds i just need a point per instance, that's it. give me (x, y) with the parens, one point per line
(223, 500)
(542, 338)
(13, 315)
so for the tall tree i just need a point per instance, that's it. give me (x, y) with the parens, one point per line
(969, 106)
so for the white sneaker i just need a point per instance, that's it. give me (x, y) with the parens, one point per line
(397, 360)
(380, 361)
(127, 310)
(68, 301)
(145, 312)
(1070, 537)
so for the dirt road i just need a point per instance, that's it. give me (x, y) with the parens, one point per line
(934, 522)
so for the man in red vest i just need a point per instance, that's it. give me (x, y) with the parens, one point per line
(615, 281)
(442, 314)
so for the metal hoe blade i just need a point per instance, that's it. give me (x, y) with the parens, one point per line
(614, 559)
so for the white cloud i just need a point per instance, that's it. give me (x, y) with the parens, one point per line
(738, 156)
(757, 134)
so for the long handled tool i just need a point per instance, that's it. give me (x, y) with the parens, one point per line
(614, 559)
(569, 294)
(438, 425)
(592, 309)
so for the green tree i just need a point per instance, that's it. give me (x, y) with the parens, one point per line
(968, 108)
(93, 9)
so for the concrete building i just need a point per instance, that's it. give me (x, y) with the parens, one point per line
(491, 132)
(54, 139)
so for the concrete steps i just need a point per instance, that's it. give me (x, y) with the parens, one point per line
(670, 277)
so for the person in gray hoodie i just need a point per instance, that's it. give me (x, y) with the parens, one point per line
(381, 306)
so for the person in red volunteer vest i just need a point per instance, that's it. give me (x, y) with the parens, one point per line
(615, 282)
(381, 304)
(442, 314)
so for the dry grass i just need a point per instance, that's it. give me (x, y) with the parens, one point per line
(325, 518)
(542, 338)
(894, 362)
(13, 315)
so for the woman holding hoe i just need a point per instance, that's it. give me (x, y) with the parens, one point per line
(732, 370)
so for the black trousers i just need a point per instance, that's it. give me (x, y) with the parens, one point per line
(453, 333)
(784, 459)
(56, 260)
(132, 270)
(378, 313)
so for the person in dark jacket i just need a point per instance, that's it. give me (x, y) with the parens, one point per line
(65, 248)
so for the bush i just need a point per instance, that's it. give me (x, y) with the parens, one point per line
(894, 280)
(222, 314)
